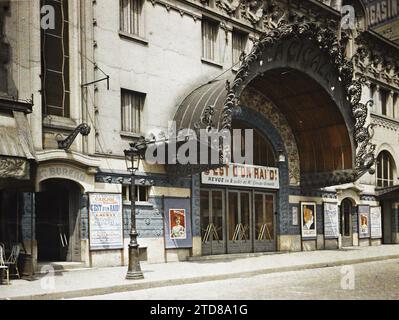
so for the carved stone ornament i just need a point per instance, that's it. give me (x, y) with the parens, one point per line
(377, 61)
(325, 38)
(229, 6)
(13, 168)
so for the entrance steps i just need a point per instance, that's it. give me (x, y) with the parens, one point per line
(59, 266)
(233, 256)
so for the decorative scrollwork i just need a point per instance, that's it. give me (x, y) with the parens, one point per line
(324, 36)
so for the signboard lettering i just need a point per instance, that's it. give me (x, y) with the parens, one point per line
(241, 175)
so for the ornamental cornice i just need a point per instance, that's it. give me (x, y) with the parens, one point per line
(383, 122)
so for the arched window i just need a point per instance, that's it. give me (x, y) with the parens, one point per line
(262, 150)
(385, 169)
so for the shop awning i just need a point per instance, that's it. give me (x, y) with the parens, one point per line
(388, 192)
(16, 148)
(202, 109)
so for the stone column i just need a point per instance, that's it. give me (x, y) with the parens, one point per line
(395, 107)
(377, 100)
(390, 104)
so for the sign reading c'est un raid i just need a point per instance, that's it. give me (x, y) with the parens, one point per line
(241, 175)
(105, 221)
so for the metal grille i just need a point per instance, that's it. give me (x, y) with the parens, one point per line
(55, 62)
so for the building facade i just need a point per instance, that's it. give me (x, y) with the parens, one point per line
(80, 80)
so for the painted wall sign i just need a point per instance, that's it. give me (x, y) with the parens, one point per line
(381, 11)
(308, 219)
(375, 223)
(364, 222)
(177, 216)
(67, 172)
(105, 221)
(241, 175)
(331, 223)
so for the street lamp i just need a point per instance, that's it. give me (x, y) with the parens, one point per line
(133, 157)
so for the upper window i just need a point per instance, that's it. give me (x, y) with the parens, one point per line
(141, 193)
(55, 62)
(131, 107)
(263, 154)
(131, 17)
(210, 30)
(385, 169)
(239, 44)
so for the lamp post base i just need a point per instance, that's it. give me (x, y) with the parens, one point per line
(134, 275)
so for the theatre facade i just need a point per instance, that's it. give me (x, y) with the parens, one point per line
(322, 101)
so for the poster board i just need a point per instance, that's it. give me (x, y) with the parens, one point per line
(177, 223)
(105, 221)
(364, 221)
(331, 220)
(308, 220)
(375, 223)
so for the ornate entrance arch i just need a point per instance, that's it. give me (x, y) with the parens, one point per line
(316, 51)
(313, 50)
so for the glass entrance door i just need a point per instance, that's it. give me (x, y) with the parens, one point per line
(264, 222)
(213, 233)
(239, 221)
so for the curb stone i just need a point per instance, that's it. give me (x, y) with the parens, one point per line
(143, 284)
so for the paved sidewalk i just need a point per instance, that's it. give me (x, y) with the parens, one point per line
(88, 282)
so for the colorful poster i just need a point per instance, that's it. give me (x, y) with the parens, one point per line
(308, 219)
(105, 221)
(331, 222)
(241, 175)
(375, 223)
(177, 224)
(364, 222)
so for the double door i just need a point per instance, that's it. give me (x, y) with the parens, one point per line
(236, 221)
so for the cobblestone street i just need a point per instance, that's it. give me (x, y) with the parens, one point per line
(376, 280)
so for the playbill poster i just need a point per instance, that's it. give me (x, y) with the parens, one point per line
(177, 224)
(308, 219)
(364, 222)
(105, 221)
(375, 223)
(331, 224)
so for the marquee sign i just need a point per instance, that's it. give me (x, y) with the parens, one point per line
(241, 175)
(381, 11)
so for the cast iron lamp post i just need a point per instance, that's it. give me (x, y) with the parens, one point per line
(133, 157)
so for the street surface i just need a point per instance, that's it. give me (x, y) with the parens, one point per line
(374, 280)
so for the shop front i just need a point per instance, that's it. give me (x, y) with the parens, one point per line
(237, 221)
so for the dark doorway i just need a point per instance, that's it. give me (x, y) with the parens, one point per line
(56, 218)
(346, 226)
